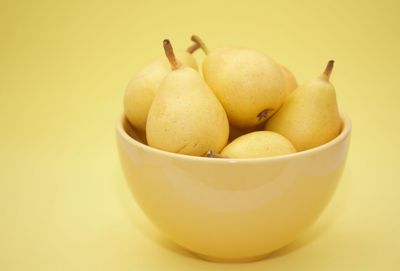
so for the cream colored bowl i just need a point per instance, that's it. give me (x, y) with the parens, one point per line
(231, 209)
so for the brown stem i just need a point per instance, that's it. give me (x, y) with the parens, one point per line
(192, 48)
(328, 70)
(265, 114)
(212, 154)
(201, 44)
(169, 52)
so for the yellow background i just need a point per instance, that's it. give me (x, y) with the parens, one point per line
(64, 65)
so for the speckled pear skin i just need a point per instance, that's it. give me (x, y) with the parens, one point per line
(249, 84)
(186, 117)
(310, 116)
(141, 89)
(258, 144)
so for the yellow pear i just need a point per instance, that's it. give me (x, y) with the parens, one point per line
(140, 92)
(258, 144)
(249, 84)
(185, 116)
(290, 80)
(310, 116)
(235, 132)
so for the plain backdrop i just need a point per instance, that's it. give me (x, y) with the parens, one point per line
(64, 65)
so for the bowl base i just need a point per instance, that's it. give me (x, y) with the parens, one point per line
(232, 260)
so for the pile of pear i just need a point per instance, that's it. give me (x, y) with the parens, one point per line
(244, 105)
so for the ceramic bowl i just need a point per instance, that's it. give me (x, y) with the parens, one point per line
(231, 209)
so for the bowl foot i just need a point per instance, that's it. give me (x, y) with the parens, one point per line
(232, 260)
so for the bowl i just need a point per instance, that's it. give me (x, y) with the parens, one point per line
(231, 209)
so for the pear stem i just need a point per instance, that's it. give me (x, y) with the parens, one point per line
(192, 48)
(201, 43)
(328, 70)
(212, 154)
(169, 52)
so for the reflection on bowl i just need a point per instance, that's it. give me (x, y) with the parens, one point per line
(231, 209)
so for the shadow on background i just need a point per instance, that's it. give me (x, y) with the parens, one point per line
(141, 222)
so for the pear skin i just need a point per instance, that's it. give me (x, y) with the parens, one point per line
(249, 84)
(290, 80)
(310, 116)
(185, 116)
(258, 144)
(237, 132)
(141, 89)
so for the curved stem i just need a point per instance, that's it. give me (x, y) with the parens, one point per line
(200, 42)
(328, 70)
(169, 52)
(192, 48)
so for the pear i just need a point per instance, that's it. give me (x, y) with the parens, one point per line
(249, 84)
(140, 92)
(290, 80)
(185, 116)
(235, 132)
(310, 116)
(257, 144)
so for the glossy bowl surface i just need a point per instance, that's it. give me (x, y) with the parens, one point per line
(231, 209)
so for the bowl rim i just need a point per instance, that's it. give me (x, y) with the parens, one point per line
(344, 133)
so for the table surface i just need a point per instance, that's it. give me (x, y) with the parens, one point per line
(64, 203)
